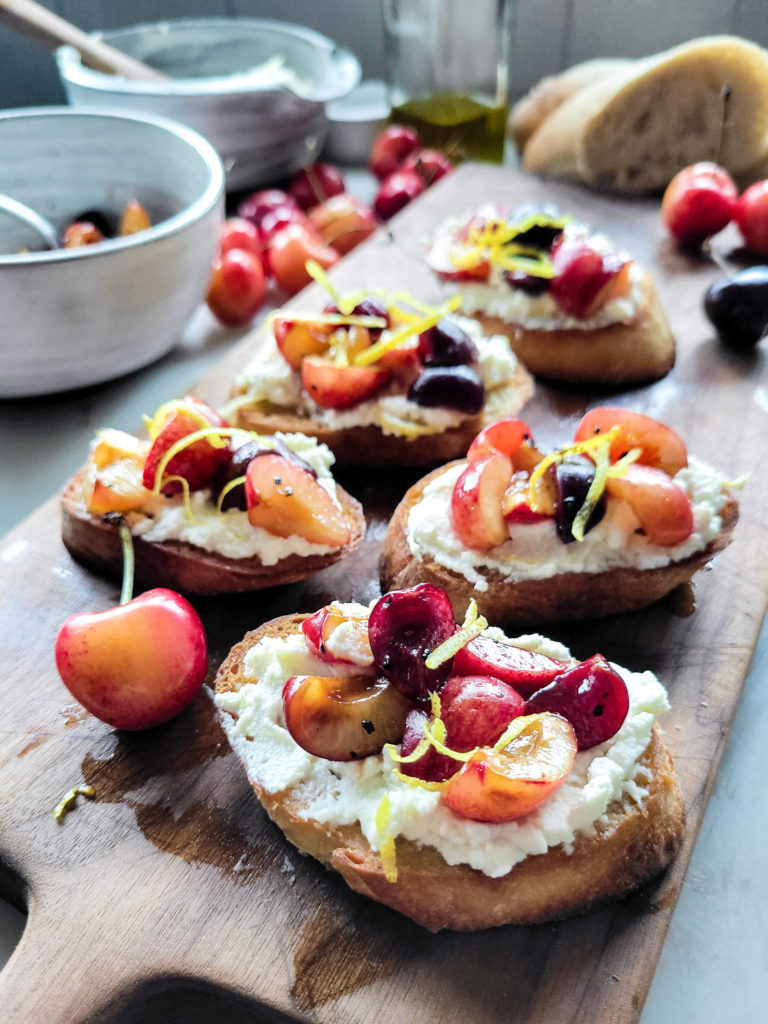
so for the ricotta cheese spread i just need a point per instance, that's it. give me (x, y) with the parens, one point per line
(495, 297)
(349, 792)
(269, 378)
(229, 533)
(534, 551)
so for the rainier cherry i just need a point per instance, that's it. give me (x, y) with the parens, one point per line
(698, 202)
(136, 665)
(502, 785)
(289, 252)
(751, 215)
(238, 286)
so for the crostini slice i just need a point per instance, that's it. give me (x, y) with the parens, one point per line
(212, 509)
(380, 378)
(574, 308)
(459, 798)
(608, 524)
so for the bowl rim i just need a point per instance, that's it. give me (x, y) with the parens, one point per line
(71, 69)
(192, 213)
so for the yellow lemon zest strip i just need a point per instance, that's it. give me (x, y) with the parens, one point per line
(225, 491)
(315, 271)
(738, 483)
(387, 849)
(556, 457)
(370, 355)
(334, 319)
(472, 627)
(217, 437)
(422, 783)
(421, 748)
(513, 730)
(155, 423)
(68, 801)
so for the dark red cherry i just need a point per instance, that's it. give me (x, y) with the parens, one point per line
(432, 766)
(591, 695)
(573, 477)
(447, 344)
(403, 628)
(449, 387)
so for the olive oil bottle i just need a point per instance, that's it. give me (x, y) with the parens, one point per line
(462, 127)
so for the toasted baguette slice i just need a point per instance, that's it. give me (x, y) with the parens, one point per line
(634, 130)
(178, 565)
(630, 845)
(530, 111)
(576, 595)
(642, 349)
(371, 446)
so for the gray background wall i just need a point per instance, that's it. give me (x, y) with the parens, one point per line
(547, 34)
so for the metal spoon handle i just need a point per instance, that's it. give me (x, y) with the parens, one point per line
(30, 217)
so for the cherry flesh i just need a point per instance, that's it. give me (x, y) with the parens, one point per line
(592, 696)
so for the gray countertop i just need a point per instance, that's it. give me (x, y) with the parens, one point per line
(714, 965)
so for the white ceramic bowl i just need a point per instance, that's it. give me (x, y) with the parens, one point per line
(263, 127)
(72, 317)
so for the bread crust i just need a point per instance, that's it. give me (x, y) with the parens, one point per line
(617, 135)
(622, 353)
(630, 845)
(545, 97)
(96, 543)
(568, 596)
(370, 446)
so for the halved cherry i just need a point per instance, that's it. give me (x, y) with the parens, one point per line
(516, 503)
(661, 446)
(662, 506)
(503, 785)
(475, 710)
(504, 436)
(296, 339)
(527, 671)
(403, 628)
(343, 718)
(583, 277)
(288, 501)
(476, 514)
(591, 695)
(199, 462)
(325, 630)
(118, 488)
(340, 387)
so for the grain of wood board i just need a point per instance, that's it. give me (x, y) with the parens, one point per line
(171, 897)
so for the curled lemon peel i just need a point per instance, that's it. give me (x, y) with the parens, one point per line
(155, 422)
(738, 483)
(217, 437)
(404, 428)
(513, 730)
(226, 489)
(334, 319)
(494, 243)
(396, 338)
(387, 850)
(472, 627)
(68, 801)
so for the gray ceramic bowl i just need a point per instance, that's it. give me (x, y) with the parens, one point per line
(72, 317)
(263, 129)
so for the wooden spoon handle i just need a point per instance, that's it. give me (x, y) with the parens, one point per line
(47, 28)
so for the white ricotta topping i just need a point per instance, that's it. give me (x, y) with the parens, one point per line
(229, 533)
(534, 551)
(342, 793)
(495, 297)
(269, 378)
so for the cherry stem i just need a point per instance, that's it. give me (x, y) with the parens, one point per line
(716, 258)
(126, 540)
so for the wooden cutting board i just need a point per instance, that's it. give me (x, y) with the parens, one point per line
(170, 897)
